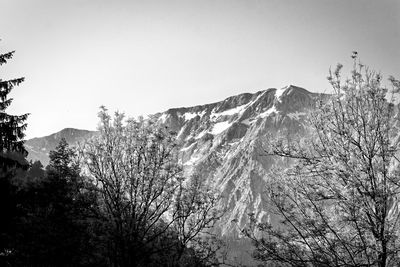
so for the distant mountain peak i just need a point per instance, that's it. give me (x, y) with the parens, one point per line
(39, 147)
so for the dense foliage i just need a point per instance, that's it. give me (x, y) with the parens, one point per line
(56, 215)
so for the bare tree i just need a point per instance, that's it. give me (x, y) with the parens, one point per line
(196, 215)
(149, 209)
(337, 205)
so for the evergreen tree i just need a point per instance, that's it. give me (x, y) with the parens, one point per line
(12, 158)
(11, 126)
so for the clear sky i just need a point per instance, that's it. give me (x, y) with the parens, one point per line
(142, 57)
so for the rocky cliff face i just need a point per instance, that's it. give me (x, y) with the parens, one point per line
(224, 141)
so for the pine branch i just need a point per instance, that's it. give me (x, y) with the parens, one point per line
(5, 57)
(7, 86)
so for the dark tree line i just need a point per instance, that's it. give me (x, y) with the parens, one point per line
(56, 215)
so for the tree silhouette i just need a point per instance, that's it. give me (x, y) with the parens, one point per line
(55, 215)
(12, 159)
(11, 126)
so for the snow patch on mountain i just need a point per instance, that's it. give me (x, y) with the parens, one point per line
(190, 115)
(247, 122)
(257, 98)
(232, 111)
(163, 117)
(181, 131)
(237, 110)
(200, 135)
(268, 112)
(279, 93)
(220, 127)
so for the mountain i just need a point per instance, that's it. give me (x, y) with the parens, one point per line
(39, 148)
(224, 142)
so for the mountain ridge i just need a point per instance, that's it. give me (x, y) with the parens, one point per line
(224, 142)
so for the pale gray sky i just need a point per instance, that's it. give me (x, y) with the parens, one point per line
(142, 57)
